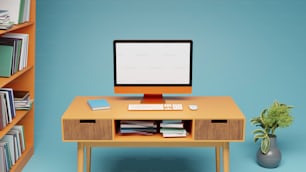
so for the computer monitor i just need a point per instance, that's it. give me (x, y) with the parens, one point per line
(152, 68)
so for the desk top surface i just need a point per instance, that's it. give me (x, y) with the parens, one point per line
(209, 107)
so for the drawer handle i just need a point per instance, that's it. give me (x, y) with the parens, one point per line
(219, 121)
(87, 121)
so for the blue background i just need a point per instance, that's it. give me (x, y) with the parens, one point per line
(251, 50)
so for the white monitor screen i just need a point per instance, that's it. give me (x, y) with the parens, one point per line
(153, 62)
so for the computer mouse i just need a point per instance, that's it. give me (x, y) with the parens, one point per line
(193, 107)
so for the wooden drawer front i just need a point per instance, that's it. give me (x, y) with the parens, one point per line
(87, 129)
(219, 129)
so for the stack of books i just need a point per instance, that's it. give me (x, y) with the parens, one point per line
(13, 53)
(141, 127)
(18, 10)
(11, 147)
(22, 100)
(173, 128)
(5, 22)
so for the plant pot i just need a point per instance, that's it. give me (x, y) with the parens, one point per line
(273, 158)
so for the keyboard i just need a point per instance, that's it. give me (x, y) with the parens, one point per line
(169, 107)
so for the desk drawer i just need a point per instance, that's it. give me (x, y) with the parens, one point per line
(219, 129)
(87, 129)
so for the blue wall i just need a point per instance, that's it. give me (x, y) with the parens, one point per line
(251, 50)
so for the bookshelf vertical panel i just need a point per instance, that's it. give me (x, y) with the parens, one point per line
(33, 11)
(22, 161)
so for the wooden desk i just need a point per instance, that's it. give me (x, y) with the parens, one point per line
(217, 122)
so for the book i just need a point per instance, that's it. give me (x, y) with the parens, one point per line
(136, 126)
(98, 104)
(137, 132)
(15, 148)
(174, 125)
(2, 159)
(6, 54)
(22, 138)
(173, 130)
(4, 19)
(3, 111)
(2, 117)
(11, 146)
(5, 26)
(172, 121)
(174, 134)
(3, 13)
(6, 105)
(10, 100)
(138, 123)
(6, 157)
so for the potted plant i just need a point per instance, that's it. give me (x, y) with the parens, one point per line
(278, 115)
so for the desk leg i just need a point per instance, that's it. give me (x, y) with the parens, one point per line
(226, 160)
(217, 152)
(80, 157)
(88, 158)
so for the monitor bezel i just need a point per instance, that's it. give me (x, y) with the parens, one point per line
(171, 86)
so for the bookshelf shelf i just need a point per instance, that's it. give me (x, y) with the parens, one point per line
(16, 27)
(19, 116)
(5, 81)
(23, 80)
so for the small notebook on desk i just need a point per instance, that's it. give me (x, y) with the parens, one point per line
(98, 104)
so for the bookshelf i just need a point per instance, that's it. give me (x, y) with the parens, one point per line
(23, 80)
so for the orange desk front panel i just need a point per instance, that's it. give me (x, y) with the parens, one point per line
(217, 122)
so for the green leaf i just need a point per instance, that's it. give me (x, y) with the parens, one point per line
(265, 145)
(259, 131)
(260, 136)
(263, 113)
